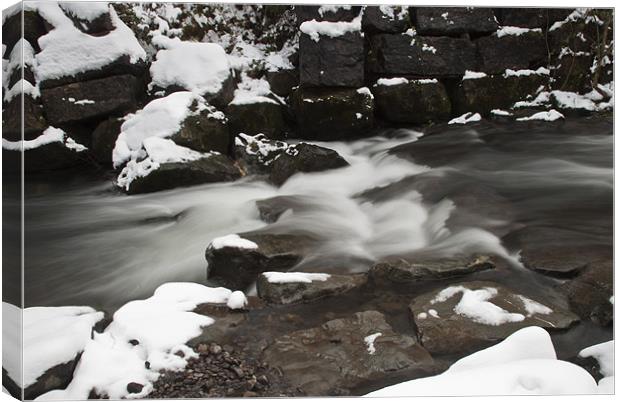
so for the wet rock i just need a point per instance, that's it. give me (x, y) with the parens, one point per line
(590, 293)
(265, 118)
(395, 55)
(515, 52)
(271, 209)
(332, 113)
(57, 377)
(334, 358)
(398, 271)
(294, 292)
(332, 14)
(33, 28)
(457, 319)
(104, 139)
(390, 19)
(238, 267)
(256, 154)
(34, 122)
(215, 168)
(304, 158)
(332, 61)
(450, 21)
(204, 130)
(481, 95)
(134, 388)
(531, 17)
(82, 101)
(282, 82)
(412, 101)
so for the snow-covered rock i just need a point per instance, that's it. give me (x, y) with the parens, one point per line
(384, 18)
(466, 118)
(551, 115)
(451, 21)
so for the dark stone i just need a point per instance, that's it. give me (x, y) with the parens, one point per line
(104, 139)
(307, 13)
(375, 20)
(444, 331)
(304, 158)
(47, 157)
(334, 358)
(255, 154)
(516, 52)
(295, 292)
(451, 21)
(34, 27)
(332, 113)
(215, 168)
(237, 268)
(282, 82)
(271, 209)
(219, 99)
(204, 131)
(264, 117)
(337, 61)
(134, 388)
(57, 377)
(395, 55)
(417, 101)
(34, 121)
(97, 27)
(398, 271)
(531, 17)
(104, 97)
(572, 73)
(589, 294)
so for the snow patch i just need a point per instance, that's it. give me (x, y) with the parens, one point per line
(604, 354)
(526, 72)
(315, 29)
(370, 342)
(466, 118)
(551, 115)
(233, 241)
(50, 135)
(237, 300)
(294, 277)
(515, 31)
(386, 82)
(473, 75)
(500, 112)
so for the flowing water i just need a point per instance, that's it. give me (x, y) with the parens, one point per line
(88, 244)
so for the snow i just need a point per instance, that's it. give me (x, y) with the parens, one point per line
(331, 9)
(392, 81)
(473, 75)
(67, 51)
(315, 29)
(22, 86)
(294, 277)
(234, 241)
(259, 145)
(428, 48)
(392, 13)
(426, 81)
(194, 66)
(466, 118)
(50, 135)
(88, 11)
(365, 91)
(161, 325)
(526, 72)
(237, 300)
(525, 363)
(476, 306)
(515, 31)
(533, 307)
(604, 354)
(250, 91)
(572, 100)
(551, 115)
(370, 342)
(500, 112)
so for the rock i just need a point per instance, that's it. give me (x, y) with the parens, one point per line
(205, 130)
(34, 122)
(264, 118)
(398, 271)
(52, 156)
(335, 358)
(57, 377)
(294, 292)
(515, 52)
(83, 101)
(452, 21)
(481, 95)
(390, 19)
(134, 388)
(33, 28)
(332, 113)
(572, 73)
(256, 154)
(396, 55)
(99, 26)
(412, 101)
(589, 294)
(328, 13)
(104, 139)
(215, 168)
(238, 267)
(556, 252)
(271, 209)
(304, 158)
(531, 17)
(453, 320)
(282, 82)
(332, 61)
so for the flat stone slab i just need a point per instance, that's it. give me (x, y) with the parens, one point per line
(287, 288)
(468, 316)
(590, 293)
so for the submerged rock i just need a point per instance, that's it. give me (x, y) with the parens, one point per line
(402, 272)
(301, 287)
(449, 21)
(464, 317)
(304, 158)
(342, 354)
(590, 294)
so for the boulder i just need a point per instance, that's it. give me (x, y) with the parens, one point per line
(469, 316)
(88, 100)
(531, 17)
(303, 288)
(590, 293)
(256, 154)
(515, 52)
(332, 113)
(572, 73)
(331, 60)
(453, 21)
(215, 168)
(398, 271)
(97, 26)
(343, 354)
(262, 117)
(304, 158)
(57, 377)
(411, 101)
(270, 209)
(481, 95)
(33, 119)
(395, 55)
(204, 131)
(236, 262)
(326, 13)
(33, 28)
(282, 82)
(104, 138)
(388, 19)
